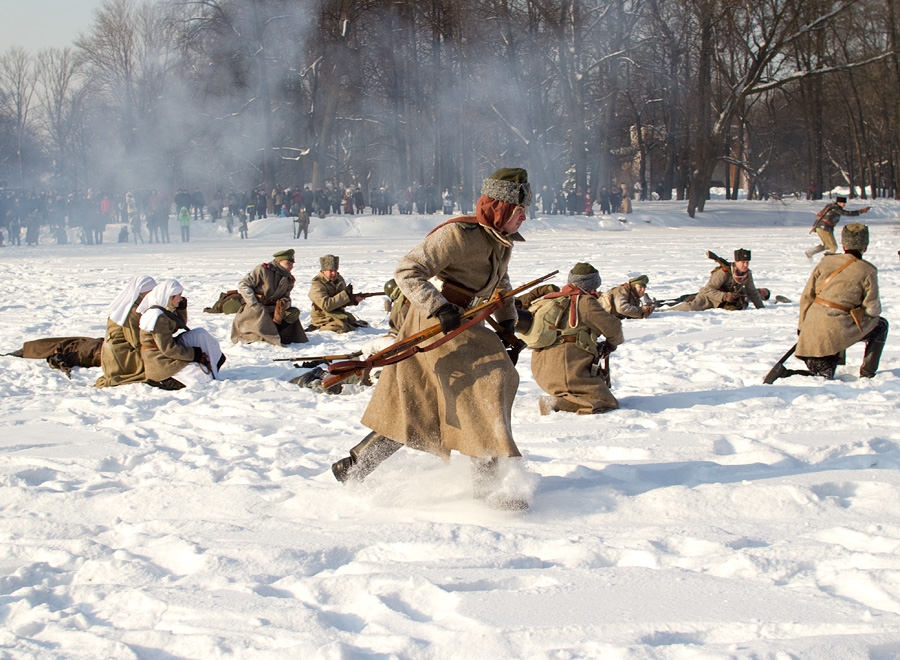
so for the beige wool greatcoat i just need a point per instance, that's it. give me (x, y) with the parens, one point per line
(329, 303)
(253, 321)
(120, 356)
(622, 302)
(825, 330)
(458, 396)
(564, 370)
(163, 357)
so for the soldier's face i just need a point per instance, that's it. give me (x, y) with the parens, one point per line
(286, 264)
(515, 221)
(330, 275)
(639, 289)
(742, 265)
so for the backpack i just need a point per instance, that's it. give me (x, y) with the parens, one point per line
(549, 316)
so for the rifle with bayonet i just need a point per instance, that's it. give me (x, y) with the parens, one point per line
(310, 361)
(406, 348)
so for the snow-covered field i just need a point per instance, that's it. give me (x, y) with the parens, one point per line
(710, 517)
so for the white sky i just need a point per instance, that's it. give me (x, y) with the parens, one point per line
(37, 24)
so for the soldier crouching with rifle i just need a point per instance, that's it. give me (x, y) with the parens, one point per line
(730, 287)
(458, 396)
(839, 307)
(567, 357)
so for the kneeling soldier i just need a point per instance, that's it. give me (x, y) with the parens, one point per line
(566, 351)
(839, 307)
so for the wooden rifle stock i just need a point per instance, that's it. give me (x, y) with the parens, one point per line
(406, 348)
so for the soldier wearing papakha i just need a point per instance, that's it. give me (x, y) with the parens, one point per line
(330, 296)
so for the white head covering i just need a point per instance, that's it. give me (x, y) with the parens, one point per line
(159, 296)
(118, 309)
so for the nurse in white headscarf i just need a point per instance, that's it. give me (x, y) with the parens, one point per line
(168, 347)
(120, 356)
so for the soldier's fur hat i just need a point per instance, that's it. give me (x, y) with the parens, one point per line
(840, 199)
(584, 276)
(855, 236)
(329, 262)
(508, 184)
(742, 254)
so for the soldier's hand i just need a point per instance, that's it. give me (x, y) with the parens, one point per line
(357, 299)
(729, 297)
(605, 348)
(182, 304)
(865, 209)
(449, 317)
(647, 310)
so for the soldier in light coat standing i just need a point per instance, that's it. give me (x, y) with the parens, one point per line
(840, 307)
(266, 313)
(624, 301)
(458, 396)
(563, 370)
(330, 296)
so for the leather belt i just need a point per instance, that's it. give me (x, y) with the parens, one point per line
(833, 305)
(457, 294)
(568, 339)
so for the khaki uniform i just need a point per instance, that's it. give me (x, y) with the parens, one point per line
(623, 302)
(458, 396)
(163, 357)
(329, 302)
(120, 356)
(564, 369)
(721, 281)
(826, 330)
(261, 288)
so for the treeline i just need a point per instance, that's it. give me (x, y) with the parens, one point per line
(665, 96)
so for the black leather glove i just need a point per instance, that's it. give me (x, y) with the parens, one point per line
(349, 291)
(198, 355)
(605, 348)
(182, 304)
(449, 317)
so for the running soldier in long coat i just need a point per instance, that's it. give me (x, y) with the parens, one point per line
(840, 307)
(729, 287)
(330, 298)
(458, 396)
(267, 314)
(120, 356)
(624, 301)
(563, 370)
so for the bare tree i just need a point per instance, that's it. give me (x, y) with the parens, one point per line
(18, 80)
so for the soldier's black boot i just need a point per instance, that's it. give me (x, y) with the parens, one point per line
(875, 341)
(364, 458)
(823, 366)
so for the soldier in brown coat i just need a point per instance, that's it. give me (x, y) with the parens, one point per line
(120, 356)
(563, 369)
(624, 301)
(840, 307)
(330, 298)
(266, 313)
(458, 396)
(729, 287)
(63, 352)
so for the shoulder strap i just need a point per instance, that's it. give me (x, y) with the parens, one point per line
(834, 274)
